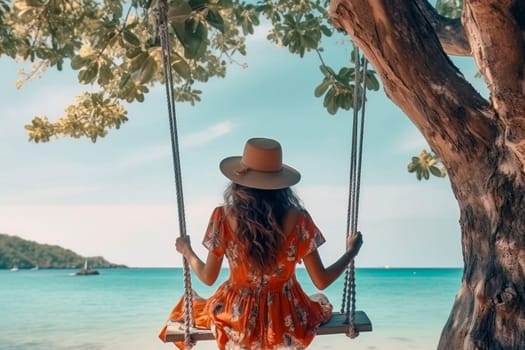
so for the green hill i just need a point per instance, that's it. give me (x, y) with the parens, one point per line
(24, 254)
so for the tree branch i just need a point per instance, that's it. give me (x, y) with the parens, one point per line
(419, 77)
(495, 29)
(450, 31)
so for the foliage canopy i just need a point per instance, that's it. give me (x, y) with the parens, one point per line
(114, 48)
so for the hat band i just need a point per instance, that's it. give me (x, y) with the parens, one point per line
(241, 171)
(245, 168)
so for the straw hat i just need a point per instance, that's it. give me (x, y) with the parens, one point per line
(260, 166)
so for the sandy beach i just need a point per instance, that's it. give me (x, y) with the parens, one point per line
(366, 341)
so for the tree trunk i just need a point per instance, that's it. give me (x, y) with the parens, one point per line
(480, 143)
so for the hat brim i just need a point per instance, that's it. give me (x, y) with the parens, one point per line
(284, 178)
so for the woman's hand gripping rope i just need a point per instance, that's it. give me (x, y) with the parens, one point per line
(354, 243)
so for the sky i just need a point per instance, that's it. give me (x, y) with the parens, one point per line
(116, 198)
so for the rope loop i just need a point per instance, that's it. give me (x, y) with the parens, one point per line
(352, 332)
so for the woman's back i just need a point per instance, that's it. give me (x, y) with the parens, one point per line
(245, 273)
(265, 310)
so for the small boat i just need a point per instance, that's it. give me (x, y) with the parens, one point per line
(14, 268)
(86, 271)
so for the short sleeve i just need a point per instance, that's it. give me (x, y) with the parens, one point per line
(214, 237)
(309, 235)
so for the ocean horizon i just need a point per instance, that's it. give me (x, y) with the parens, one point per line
(124, 308)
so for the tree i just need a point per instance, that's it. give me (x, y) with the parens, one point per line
(480, 142)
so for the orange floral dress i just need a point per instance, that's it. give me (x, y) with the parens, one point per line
(259, 312)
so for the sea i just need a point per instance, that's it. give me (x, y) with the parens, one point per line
(125, 308)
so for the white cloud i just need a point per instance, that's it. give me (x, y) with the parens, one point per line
(203, 137)
(48, 194)
(412, 141)
(138, 157)
(143, 155)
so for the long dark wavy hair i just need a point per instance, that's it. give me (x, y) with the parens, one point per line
(260, 218)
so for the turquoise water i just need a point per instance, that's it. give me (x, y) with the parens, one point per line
(125, 308)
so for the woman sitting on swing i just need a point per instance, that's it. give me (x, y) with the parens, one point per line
(264, 233)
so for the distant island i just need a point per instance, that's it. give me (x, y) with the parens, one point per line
(19, 253)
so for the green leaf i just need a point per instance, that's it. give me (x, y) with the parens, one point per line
(327, 71)
(434, 170)
(329, 102)
(148, 70)
(195, 42)
(104, 74)
(215, 19)
(137, 62)
(371, 81)
(450, 8)
(247, 26)
(326, 31)
(78, 62)
(130, 38)
(124, 80)
(197, 4)
(321, 88)
(133, 52)
(179, 11)
(310, 40)
(347, 100)
(181, 66)
(34, 3)
(88, 75)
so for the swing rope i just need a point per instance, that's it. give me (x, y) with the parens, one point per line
(162, 27)
(348, 305)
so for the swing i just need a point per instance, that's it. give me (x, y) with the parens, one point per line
(348, 320)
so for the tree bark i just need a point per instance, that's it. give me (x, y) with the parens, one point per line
(449, 31)
(481, 143)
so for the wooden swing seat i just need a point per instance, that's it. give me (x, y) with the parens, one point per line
(336, 325)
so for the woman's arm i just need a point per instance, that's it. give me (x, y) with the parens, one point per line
(206, 272)
(322, 277)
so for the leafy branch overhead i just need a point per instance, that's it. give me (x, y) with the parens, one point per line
(426, 164)
(339, 88)
(114, 48)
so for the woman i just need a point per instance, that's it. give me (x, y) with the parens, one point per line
(264, 233)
